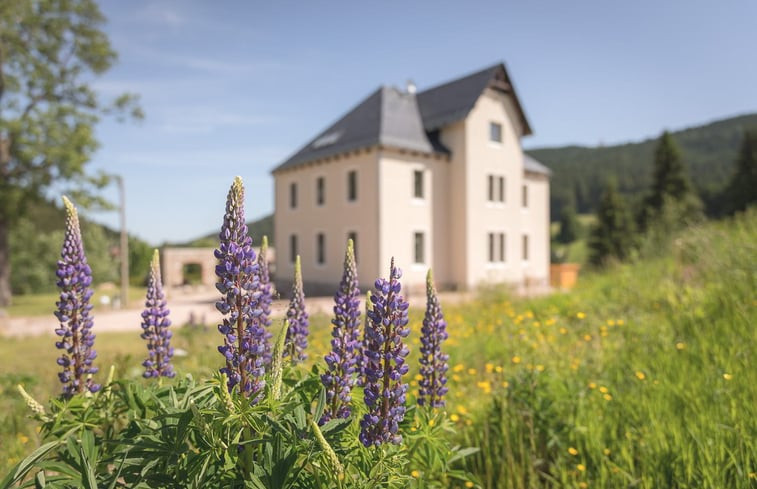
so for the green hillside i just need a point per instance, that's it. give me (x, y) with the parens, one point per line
(256, 229)
(580, 172)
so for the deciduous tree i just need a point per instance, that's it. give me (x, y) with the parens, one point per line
(50, 50)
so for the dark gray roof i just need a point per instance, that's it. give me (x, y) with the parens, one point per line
(533, 166)
(396, 118)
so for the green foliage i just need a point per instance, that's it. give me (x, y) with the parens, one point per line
(612, 236)
(49, 51)
(580, 172)
(570, 228)
(742, 190)
(670, 190)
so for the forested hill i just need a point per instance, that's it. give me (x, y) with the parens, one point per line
(257, 229)
(580, 172)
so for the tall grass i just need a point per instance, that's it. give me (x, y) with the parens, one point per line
(641, 377)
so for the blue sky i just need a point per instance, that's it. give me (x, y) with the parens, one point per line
(232, 88)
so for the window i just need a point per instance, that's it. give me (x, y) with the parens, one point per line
(495, 132)
(496, 247)
(320, 248)
(525, 196)
(352, 186)
(418, 251)
(418, 184)
(495, 188)
(353, 236)
(293, 195)
(525, 247)
(293, 248)
(320, 191)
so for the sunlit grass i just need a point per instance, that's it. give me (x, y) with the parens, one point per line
(44, 304)
(642, 376)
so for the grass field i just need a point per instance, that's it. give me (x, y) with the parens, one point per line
(44, 304)
(642, 376)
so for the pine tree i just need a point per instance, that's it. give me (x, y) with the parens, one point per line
(570, 228)
(742, 190)
(670, 184)
(612, 237)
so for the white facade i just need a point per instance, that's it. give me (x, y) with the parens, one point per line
(463, 213)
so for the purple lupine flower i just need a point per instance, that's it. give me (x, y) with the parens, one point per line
(384, 357)
(238, 281)
(155, 324)
(297, 320)
(75, 330)
(266, 298)
(433, 385)
(342, 361)
(361, 355)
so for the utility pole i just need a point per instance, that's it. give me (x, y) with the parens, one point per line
(124, 243)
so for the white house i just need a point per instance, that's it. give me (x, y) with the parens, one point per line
(434, 178)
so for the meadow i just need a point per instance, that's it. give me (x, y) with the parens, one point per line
(641, 377)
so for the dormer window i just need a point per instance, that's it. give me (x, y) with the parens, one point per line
(495, 132)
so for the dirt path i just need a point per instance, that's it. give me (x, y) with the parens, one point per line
(186, 307)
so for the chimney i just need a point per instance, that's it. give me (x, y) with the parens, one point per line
(411, 87)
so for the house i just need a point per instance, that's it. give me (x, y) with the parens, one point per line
(434, 178)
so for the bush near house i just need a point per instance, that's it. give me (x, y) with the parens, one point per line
(588, 389)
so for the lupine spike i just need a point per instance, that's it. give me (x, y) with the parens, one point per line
(433, 385)
(266, 298)
(361, 356)
(384, 356)
(238, 282)
(277, 363)
(297, 320)
(31, 403)
(155, 323)
(75, 330)
(345, 343)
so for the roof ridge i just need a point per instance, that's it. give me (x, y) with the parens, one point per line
(459, 78)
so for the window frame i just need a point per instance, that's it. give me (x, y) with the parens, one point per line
(419, 238)
(320, 248)
(293, 195)
(293, 248)
(320, 191)
(419, 184)
(499, 132)
(352, 184)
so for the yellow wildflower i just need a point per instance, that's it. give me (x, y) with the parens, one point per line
(592, 385)
(587, 337)
(415, 474)
(619, 322)
(456, 377)
(680, 345)
(485, 386)
(489, 367)
(583, 485)
(469, 484)
(572, 451)
(608, 397)
(580, 315)
(418, 377)
(727, 376)
(563, 331)
(516, 359)
(581, 467)
(505, 384)
(604, 390)
(472, 371)
(540, 368)
(498, 369)
(454, 417)
(640, 375)
(458, 368)
(606, 451)
(431, 422)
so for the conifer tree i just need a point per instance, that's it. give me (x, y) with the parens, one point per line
(670, 184)
(570, 228)
(612, 236)
(741, 192)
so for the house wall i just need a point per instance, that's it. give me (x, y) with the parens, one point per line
(455, 194)
(335, 218)
(483, 216)
(535, 223)
(401, 215)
